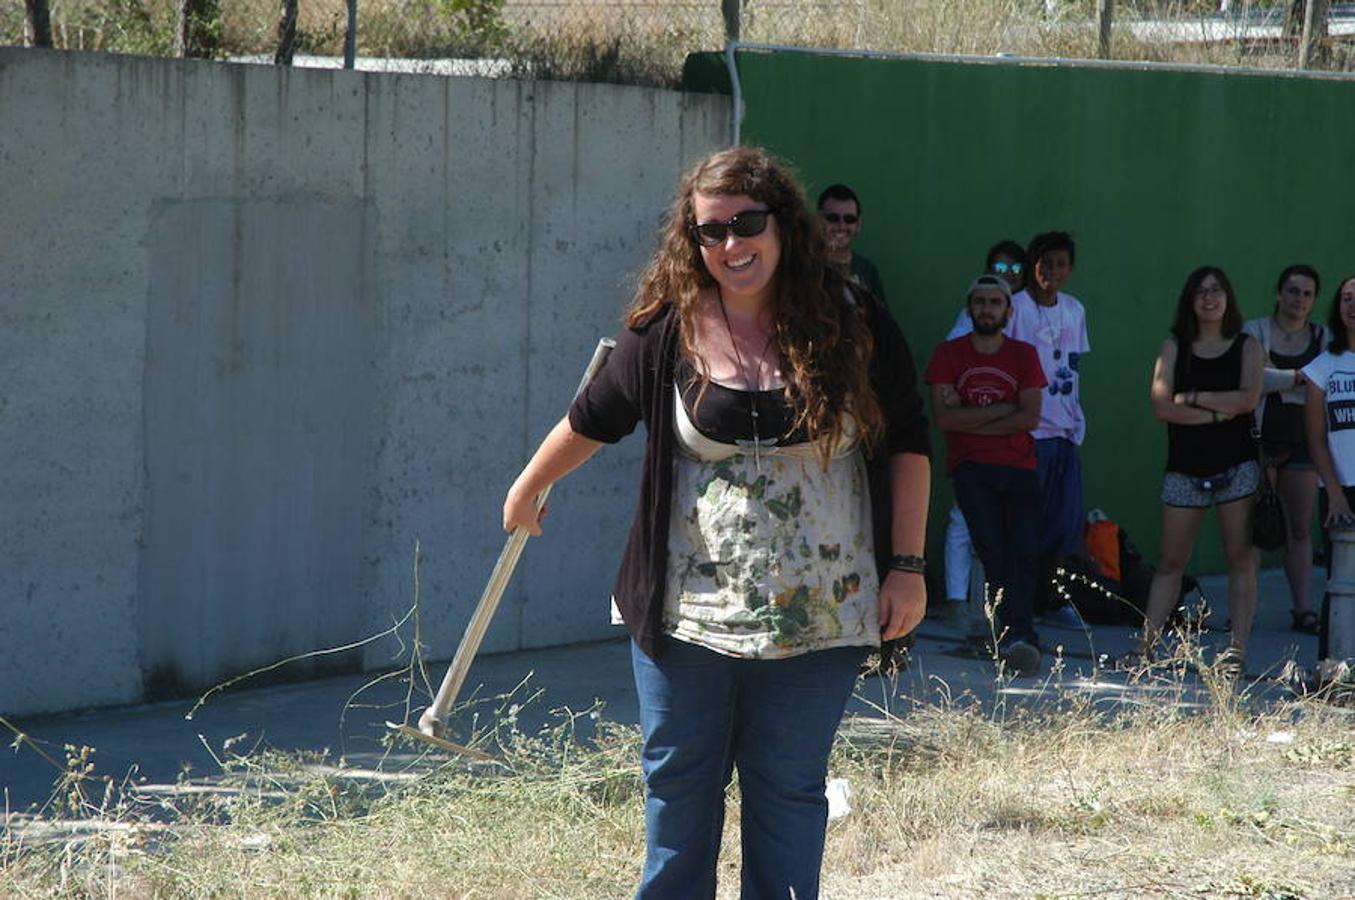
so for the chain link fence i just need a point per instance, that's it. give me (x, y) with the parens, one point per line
(646, 41)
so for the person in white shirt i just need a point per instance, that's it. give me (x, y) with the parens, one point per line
(1329, 414)
(1056, 323)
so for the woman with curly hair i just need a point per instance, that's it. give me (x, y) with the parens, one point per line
(781, 517)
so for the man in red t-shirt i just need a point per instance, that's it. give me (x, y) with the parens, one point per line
(986, 390)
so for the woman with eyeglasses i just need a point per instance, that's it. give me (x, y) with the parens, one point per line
(1206, 382)
(1290, 341)
(781, 517)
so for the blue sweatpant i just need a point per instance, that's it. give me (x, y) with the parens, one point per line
(1061, 512)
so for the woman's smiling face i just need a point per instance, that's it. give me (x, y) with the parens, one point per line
(1211, 301)
(743, 267)
(1346, 299)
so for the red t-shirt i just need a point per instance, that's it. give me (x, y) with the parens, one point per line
(982, 380)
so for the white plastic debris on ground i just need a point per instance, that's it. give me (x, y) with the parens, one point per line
(839, 794)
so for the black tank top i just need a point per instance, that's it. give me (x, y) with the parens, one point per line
(724, 412)
(1202, 450)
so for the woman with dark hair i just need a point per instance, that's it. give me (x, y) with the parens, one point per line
(1330, 380)
(1330, 421)
(1007, 260)
(781, 519)
(1206, 382)
(1290, 342)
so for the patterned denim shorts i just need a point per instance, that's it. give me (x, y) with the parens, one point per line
(1196, 492)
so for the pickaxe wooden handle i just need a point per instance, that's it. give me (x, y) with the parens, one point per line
(431, 722)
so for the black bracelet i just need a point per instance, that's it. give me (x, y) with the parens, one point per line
(900, 562)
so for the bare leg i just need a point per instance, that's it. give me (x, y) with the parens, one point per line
(1235, 524)
(1180, 525)
(1298, 490)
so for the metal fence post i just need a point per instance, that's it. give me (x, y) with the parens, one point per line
(350, 37)
(1314, 29)
(38, 24)
(1105, 12)
(731, 11)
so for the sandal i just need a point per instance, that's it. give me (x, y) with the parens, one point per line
(1230, 662)
(1304, 621)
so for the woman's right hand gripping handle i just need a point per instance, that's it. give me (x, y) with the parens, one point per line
(563, 451)
(519, 510)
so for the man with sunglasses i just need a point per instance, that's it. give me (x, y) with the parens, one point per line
(840, 210)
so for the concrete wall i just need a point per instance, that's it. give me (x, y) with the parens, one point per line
(261, 330)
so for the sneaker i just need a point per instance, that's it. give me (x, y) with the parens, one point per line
(1064, 617)
(1020, 657)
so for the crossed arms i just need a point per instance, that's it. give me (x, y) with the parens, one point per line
(994, 419)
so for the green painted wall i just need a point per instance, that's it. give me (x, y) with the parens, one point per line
(1154, 171)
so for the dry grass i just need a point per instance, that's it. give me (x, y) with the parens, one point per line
(645, 41)
(951, 800)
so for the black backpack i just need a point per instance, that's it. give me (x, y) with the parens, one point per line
(1103, 601)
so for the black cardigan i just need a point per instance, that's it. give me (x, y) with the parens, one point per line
(636, 383)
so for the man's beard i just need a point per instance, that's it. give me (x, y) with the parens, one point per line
(988, 329)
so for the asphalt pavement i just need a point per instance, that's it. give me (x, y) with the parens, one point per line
(342, 719)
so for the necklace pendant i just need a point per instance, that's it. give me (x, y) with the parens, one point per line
(755, 445)
(1058, 354)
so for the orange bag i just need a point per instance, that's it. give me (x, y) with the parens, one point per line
(1103, 546)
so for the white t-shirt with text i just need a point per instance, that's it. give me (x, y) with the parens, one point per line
(1334, 375)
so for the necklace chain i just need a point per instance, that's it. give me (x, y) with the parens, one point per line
(1285, 331)
(750, 384)
(1054, 333)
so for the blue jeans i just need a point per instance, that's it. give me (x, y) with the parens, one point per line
(1002, 506)
(702, 715)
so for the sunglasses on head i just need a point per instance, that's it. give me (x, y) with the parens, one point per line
(1003, 268)
(848, 218)
(749, 223)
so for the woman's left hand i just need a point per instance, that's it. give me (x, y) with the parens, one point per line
(903, 603)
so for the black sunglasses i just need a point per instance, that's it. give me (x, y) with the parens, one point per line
(841, 217)
(749, 223)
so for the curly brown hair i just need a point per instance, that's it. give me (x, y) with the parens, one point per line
(825, 341)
